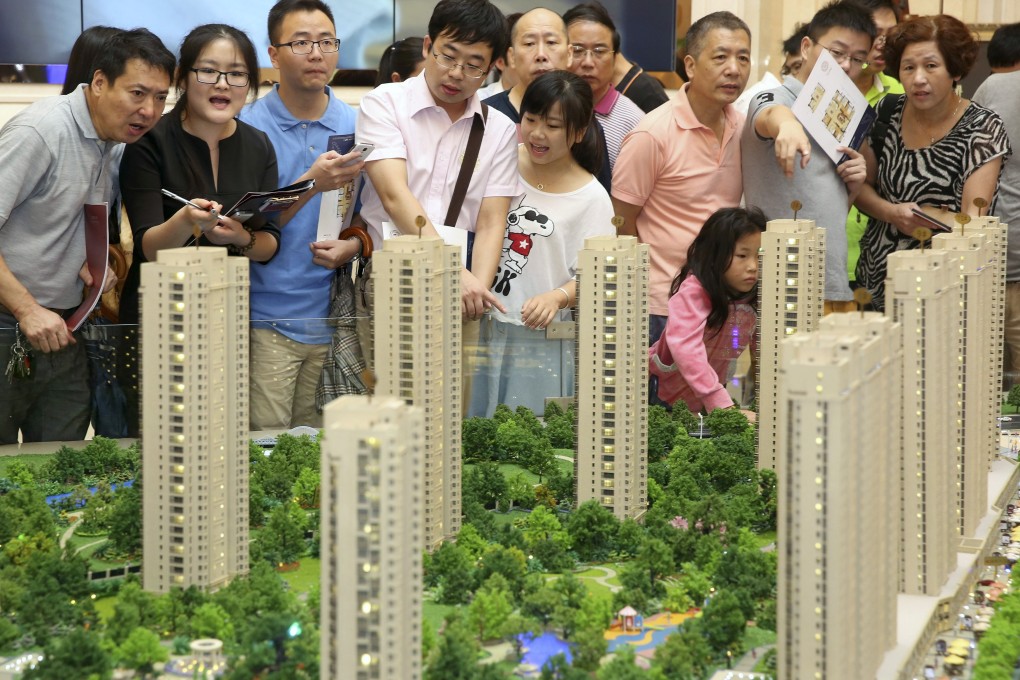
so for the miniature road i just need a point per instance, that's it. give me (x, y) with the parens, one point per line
(604, 580)
(752, 657)
(566, 458)
(497, 652)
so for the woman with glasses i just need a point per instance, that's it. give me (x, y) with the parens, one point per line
(200, 151)
(930, 147)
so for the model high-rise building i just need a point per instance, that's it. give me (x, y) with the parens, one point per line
(837, 573)
(611, 465)
(923, 295)
(979, 402)
(995, 233)
(791, 298)
(194, 347)
(418, 358)
(373, 464)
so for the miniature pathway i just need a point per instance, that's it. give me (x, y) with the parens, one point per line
(497, 652)
(748, 661)
(66, 536)
(604, 580)
(566, 458)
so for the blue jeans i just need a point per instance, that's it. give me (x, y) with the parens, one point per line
(52, 404)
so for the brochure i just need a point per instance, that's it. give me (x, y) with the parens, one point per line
(97, 258)
(832, 110)
(337, 206)
(268, 203)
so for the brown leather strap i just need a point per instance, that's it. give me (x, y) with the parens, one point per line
(467, 168)
(631, 81)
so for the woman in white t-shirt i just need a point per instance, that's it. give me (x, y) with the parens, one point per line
(562, 205)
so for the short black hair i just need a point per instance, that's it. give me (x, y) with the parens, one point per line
(792, 44)
(1004, 47)
(284, 7)
(842, 14)
(138, 43)
(699, 30)
(471, 21)
(595, 13)
(81, 63)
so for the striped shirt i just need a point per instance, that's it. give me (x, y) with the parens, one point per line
(618, 115)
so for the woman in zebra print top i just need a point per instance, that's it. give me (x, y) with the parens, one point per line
(931, 146)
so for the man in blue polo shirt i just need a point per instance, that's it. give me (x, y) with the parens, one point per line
(290, 294)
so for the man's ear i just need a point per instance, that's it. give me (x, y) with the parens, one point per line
(426, 47)
(99, 82)
(273, 52)
(689, 62)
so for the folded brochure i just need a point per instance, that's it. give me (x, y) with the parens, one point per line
(268, 203)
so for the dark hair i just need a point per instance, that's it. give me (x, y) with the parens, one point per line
(875, 5)
(699, 30)
(595, 13)
(1003, 48)
(471, 21)
(138, 43)
(511, 21)
(711, 253)
(843, 14)
(792, 44)
(191, 49)
(950, 35)
(83, 55)
(402, 58)
(284, 7)
(573, 94)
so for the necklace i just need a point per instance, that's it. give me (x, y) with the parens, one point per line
(540, 186)
(952, 118)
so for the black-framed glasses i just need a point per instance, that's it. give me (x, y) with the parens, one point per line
(449, 63)
(841, 56)
(597, 53)
(302, 47)
(210, 76)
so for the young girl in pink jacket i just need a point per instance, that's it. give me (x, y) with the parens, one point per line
(712, 312)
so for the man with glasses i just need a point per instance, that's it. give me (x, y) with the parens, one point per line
(772, 134)
(420, 129)
(290, 295)
(593, 42)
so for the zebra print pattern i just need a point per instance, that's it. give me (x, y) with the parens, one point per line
(933, 175)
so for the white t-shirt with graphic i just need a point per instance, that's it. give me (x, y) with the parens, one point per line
(544, 233)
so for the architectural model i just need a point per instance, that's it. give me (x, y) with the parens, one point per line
(373, 466)
(611, 465)
(837, 575)
(194, 309)
(792, 291)
(418, 359)
(980, 398)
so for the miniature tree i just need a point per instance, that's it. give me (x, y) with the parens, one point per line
(456, 654)
(141, 651)
(592, 530)
(79, 654)
(662, 430)
(622, 667)
(724, 622)
(1013, 398)
(283, 539)
(490, 608)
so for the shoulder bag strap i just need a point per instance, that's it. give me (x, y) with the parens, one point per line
(468, 166)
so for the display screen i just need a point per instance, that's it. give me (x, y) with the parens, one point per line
(42, 31)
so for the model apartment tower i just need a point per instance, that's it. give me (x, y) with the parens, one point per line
(995, 233)
(194, 347)
(837, 574)
(373, 465)
(980, 397)
(418, 359)
(792, 293)
(923, 296)
(611, 465)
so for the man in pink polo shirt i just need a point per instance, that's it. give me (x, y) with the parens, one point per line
(681, 163)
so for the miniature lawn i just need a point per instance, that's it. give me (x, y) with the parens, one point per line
(32, 459)
(304, 578)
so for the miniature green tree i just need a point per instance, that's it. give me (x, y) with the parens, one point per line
(622, 667)
(79, 654)
(724, 622)
(662, 430)
(592, 530)
(456, 654)
(283, 538)
(141, 651)
(1013, 398)
(490, 608)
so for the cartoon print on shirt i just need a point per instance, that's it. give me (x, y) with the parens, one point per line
(522, 224)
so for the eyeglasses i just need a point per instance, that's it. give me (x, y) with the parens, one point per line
(449, 63)
(302, 47)
(840, 56)
(210, 76)
(597, 53)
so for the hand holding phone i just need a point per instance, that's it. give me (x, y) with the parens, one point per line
(363, 151)
(931, 221)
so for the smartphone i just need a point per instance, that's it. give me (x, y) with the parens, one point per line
(364, 150)
(932, 222)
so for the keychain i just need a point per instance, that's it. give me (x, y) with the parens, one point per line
(20, 364)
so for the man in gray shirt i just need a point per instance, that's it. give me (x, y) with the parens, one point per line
(1001, 93)
(772, 134)
(56, 157)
